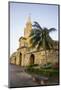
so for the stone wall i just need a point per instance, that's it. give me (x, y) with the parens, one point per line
(39, 57)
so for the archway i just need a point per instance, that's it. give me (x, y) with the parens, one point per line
(20, 59)
(32, 57)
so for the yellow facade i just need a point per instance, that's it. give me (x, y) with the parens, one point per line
(26, 56)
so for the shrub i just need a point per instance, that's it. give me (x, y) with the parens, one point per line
(33, 65)
(43, 71)
(47, 66)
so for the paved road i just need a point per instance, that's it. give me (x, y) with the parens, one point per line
(19, 78)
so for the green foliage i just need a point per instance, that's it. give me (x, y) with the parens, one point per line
(40, 37)
(47, 66)
(33, 65)
(49, 72)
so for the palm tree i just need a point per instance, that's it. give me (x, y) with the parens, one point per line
(40, 37)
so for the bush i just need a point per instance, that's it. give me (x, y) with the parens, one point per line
(50, 72)
(33, 65)
(47, 66)
(54, 73)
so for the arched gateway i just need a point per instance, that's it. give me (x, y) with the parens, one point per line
(32, 58)
(20, 59)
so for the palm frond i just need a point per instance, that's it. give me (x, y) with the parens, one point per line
(40, 37)
(34, 31)
(39, 44)
(52, 29)
(36, 24)
(51, 42)
(35, 39)
(47, 45)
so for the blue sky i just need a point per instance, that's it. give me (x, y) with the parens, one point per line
(45, 15)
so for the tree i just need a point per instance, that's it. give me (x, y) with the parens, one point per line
(39, 37)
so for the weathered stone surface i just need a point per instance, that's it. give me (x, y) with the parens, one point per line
(24, 54)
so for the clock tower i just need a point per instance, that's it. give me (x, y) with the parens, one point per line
(28, 27)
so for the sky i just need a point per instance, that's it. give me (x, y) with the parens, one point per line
(45, 15)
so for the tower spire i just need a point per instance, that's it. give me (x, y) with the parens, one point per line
(28, 27)
(29, 18)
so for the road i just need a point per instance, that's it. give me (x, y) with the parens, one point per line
(19, 78)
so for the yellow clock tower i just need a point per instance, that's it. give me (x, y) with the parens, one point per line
(28, 28)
